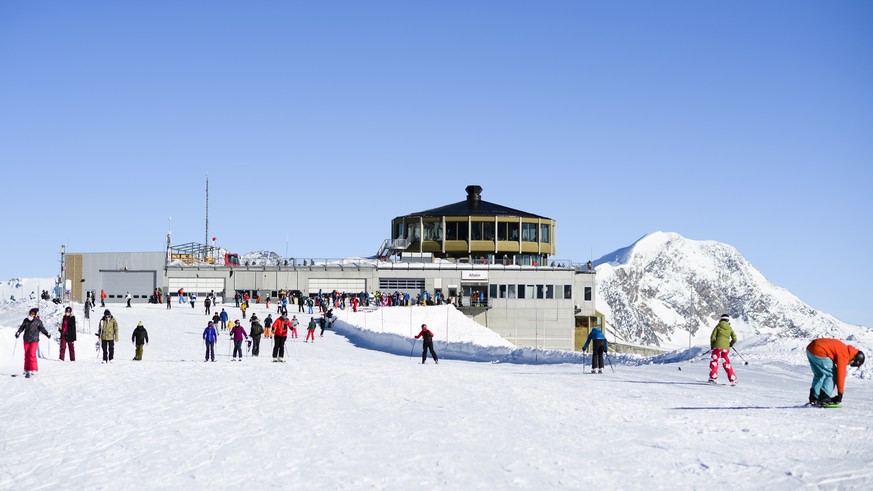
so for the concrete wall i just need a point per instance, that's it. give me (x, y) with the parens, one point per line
(544, 323)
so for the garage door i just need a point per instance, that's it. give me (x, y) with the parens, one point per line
(200, 286)
(348, 285)
(140, 284)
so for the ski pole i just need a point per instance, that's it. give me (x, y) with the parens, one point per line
(610, 363)
(741, 356)
(413, 348)
(14, 347)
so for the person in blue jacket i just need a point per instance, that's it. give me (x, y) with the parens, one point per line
(210, 336)
(223, 317)
(600, 347)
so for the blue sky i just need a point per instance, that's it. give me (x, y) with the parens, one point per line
(743, 122)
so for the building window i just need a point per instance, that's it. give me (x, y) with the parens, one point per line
(540, 291)
(521, 291)
(510, 291)
(568, 292)
(502, 290)
(456, 230)
(476, 231)
(587, 293)
(529, 232)
(544, 233)
(488, 231)
(391, 284)
(493, 291)
(550, 291)
(433, 231)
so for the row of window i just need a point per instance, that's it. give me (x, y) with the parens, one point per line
(506, 231)
(536, 291)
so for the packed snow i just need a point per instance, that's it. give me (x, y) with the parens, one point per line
(356, 409)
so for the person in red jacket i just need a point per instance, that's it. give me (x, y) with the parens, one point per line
(828, 359)
(280, 334)
(426, 344)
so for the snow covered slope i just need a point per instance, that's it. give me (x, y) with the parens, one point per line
(356, 409)
(664, 285)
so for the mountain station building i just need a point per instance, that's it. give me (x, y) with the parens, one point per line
(496, 264)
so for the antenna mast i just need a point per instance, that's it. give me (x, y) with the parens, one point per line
(206, 237)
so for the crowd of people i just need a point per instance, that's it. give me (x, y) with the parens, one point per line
(828, 358)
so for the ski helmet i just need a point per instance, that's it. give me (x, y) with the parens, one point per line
(106, 312)
(858, 360)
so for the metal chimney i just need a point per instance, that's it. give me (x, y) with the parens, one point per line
(474, 196)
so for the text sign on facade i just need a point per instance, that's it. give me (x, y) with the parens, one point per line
(474, 275)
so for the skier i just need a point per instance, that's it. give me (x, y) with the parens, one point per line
(223, 317)
(168, 301)
(599, 349)
(280, 333)
(181, 296)
(192, 297)
(426, 344)
(255, 333)
(237, 334)
(103, 298)
(310, 330)
(67, 331)
(268, 325)
(294, 324)
(140, 336)
(207, 303)
(828, 359)
(31, 326)
(216, 318)
(209, 338)
(243, 307)
(108, 334)
(87, 310)
(128, 298)
(721, 341)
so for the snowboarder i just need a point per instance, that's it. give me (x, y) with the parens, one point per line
(31, 326)
(238, 334)
(207, 303)
(255, 333)
(721, 341)
(828, 359)
(209, 338)
(128, 298)
(67, 331)
(426, 344)
(598, 350)
(140, 336)
(108, 334)
(192, 297)
(310, 330)
(280, 334)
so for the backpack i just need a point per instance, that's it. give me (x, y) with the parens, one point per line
(257, 329)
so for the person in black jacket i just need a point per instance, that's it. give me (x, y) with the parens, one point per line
(68, 333)
(31, 326)
(255, 333)
(426, 344)
(139, 337)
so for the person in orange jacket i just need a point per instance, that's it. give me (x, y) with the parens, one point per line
(280, 334)
(828, 359)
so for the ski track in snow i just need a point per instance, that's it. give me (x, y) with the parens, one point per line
(341, 416)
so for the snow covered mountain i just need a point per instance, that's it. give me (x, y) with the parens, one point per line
(664, 290)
